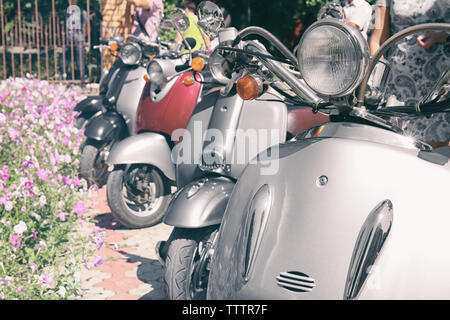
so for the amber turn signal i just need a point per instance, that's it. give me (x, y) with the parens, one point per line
(198, 64)
(248, 87)
(188, 81)
(146, 78)
(114, 46)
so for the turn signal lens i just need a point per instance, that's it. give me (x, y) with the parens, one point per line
(198, 64)
(248, 87)
(114, 46)
(146, 78)
(188, 81)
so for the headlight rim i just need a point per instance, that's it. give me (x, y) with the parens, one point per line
(139, 50)
(161, 71)
(359, 44)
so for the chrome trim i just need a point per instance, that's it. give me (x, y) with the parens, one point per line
(255, 224)
(369, 243)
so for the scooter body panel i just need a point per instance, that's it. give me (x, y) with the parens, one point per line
(200, 204)
(146, 148)
(106, 127)
(300, 119)
(227, 123)
(312, 222)
(129, 96)
(170, 112)
(89, 105)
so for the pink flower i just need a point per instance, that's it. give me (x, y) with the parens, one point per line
(98, 261)
(20, 289)
(16, 241)
(34, 234)
(42, 174)
(79, 208)
(48, 279)
(8, 205)
(76, 181)
(67, 181)
(62, 215)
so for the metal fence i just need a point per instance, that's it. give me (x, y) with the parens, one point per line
(40, 46)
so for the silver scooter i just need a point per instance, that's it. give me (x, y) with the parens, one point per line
(357, 209)
(121, 100)
(214, 152)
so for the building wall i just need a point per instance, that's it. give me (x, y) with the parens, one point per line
(116, 14)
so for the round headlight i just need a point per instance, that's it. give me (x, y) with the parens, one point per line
(131, 53)
(333, 57)
(155, 73)
(219, 67)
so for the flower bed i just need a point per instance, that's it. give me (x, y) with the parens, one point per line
(41, 198)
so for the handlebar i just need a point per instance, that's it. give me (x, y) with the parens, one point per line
(388, 43)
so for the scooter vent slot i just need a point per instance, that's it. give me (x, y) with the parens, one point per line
(296, 281)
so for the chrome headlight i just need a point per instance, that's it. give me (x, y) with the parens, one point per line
(155, 73)
(219, 67)
(131, 53)
(333, 57)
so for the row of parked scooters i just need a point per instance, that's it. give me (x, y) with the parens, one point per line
(291, 183)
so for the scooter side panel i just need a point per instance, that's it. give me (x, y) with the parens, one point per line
(149, 148)
(312, 228)
(89, 105)
(300, 119)
(262, 123)
(187, 154)
(106, 127)
(129, 97)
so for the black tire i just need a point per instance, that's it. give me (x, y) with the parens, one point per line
(92, 169)
(183, 264)
(129, 215)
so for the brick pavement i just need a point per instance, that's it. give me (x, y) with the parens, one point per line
(130, 270)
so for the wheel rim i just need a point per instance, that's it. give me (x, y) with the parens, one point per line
(199, 273)
(143, 198)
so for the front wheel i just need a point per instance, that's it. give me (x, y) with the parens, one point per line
(187, 262)
(93, 167)
(138, 195)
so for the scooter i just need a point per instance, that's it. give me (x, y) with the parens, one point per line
(118, 118)
(357, 209)
(214, 152)
(92, 105)
(140, 183)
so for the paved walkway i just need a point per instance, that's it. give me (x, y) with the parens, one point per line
(130, 270)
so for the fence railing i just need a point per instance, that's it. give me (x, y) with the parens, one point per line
(40, 46)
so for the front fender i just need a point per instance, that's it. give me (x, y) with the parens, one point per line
(149, 148)
(106, 127)
(200, 204)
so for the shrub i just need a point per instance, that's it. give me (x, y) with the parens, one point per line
(41, 197)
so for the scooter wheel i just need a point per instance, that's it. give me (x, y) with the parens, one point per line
(127, 201)
(187, 260)
(92, 168)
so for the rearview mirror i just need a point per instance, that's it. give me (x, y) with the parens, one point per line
(210, 18)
